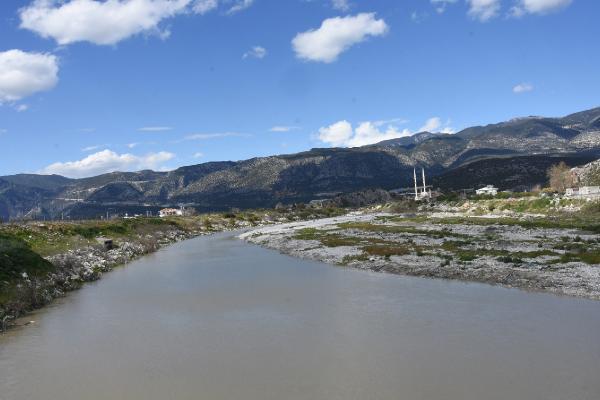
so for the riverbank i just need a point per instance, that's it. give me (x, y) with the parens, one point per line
(43, 261)
(526, 251)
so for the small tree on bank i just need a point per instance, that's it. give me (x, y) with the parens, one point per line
(560, 177)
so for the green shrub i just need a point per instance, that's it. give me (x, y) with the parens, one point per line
(16, 258)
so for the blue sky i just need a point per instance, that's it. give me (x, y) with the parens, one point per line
(89, 86)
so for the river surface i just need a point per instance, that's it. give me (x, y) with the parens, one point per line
(215, 318)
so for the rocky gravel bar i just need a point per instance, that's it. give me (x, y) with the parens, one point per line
(483, 249)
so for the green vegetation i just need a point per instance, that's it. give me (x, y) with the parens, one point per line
(332, 239)
(549, 222)
(57, 237)
(16, 259)
(387, 250)
(369, 227)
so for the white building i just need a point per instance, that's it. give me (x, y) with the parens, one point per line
(488, 190)
(170, 212)
(584, 192)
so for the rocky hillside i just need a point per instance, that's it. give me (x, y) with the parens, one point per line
(589, 174)
(510, 154)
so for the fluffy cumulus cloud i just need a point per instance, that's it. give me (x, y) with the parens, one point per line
(338, 134)
(102, 23)
(108, 161)
(483, 10)
(255, 52)
(23, 74)
(522, 88)
(337, 35)
(538, 6)
(343, 134)
(110, 21)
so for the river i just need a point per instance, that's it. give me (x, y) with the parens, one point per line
(216, 318)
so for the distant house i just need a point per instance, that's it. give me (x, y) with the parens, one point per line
(169, 212)
(488, 190)
(584, 192)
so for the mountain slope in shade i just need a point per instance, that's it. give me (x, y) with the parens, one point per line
(510, 154)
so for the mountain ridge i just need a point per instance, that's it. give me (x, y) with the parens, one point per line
(265, 181)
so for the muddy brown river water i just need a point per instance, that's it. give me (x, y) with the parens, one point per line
(216, 318)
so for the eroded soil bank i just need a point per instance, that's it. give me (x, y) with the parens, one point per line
(520, 253)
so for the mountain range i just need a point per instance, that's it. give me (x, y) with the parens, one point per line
(512, 155)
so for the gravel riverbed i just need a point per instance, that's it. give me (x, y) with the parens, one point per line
(540, 259)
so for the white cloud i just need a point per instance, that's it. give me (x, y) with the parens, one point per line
(90, 148)
(102, 23)
(337, 35)
(204, 6)
(108, 161)
(155, 129)
(483, 10)
(283, 128)
(23, 74)
(522, 88)
(21, 107)
(367, 133)
(338, 134)
(240, 5)
(440, 5)
(198, 155)
(341, 5)
(538, 6)
(256, 52)
(431, 125)
(343, 134)
(205, 136)
(132, 145)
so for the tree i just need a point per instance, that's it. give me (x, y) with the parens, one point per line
(560, 177)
